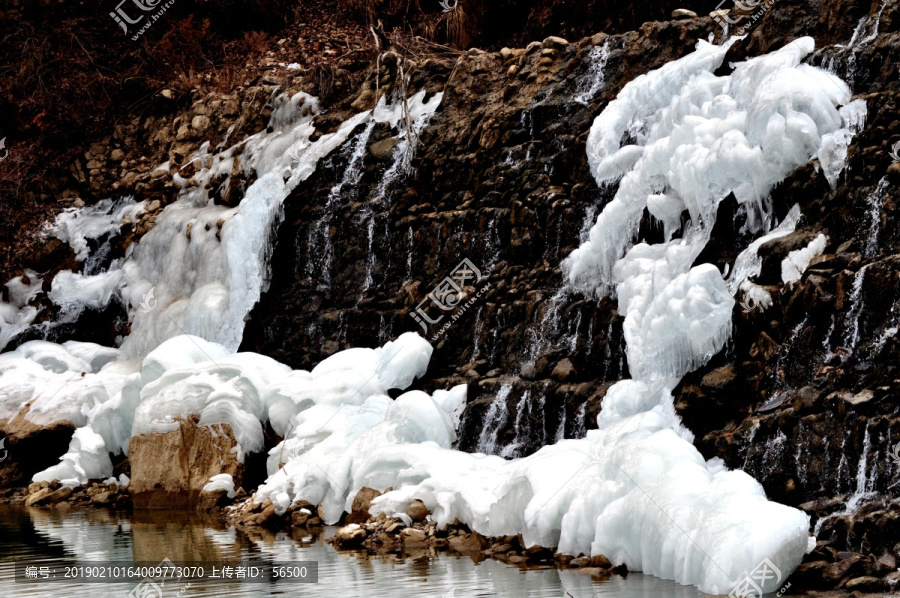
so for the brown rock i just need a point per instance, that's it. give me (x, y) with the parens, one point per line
(683, 13)
(413, 537)
(349, 536)
(383, 148)
(169, 470)
(867, 584)
(417, 511)
(468, 543)
(564, 370)
(362, 502)
(37, 497)
(31, 447)
(300, 518)
(102, 498)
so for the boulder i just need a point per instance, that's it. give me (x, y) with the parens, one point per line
(349, 536)
(169, 470)
(417, 511)
(30, 447)
(683, 13)
(359, 512)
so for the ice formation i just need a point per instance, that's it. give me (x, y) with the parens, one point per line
(698, 138)
(797, 261)
(223, 481)
(188, 286)
(16, 315)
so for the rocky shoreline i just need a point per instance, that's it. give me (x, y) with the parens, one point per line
(826, 571)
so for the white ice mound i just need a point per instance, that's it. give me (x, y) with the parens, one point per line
(87, 459)
(223, 481)
(636, 490)
(185, 376)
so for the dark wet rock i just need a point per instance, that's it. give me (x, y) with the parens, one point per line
(30, 448)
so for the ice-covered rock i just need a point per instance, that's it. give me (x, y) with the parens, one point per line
(797, 261)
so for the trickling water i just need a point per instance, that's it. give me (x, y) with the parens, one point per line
(496, 417)
(865, 33)
(479, 329)
(595, 77)
(320, 233)
(873, 216)
(410, 246)
(542, 335)
(561, 429)
(750, 439)
(370, 260)
(864, 486)
(522, 409)
(856, 306)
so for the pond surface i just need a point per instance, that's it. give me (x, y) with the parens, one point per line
(66, 537)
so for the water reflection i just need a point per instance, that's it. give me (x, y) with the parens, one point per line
(37, 535)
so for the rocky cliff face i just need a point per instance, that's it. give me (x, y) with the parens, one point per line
(805, 396)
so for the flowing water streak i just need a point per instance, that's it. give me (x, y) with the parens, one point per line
(320, 234)
(873, 215)
(856, 308)
(595, 78)
(864, 486)
(494, 419)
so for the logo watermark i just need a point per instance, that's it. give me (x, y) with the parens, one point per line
(448, 296)
(745, 9)
(5, 453)
(150, 589)
(124, 19)
(148, 302)
(752, 585)
(447, 6)
(895, 152)
(4, 153)
(895, 454)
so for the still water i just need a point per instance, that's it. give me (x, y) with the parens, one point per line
(37, 536)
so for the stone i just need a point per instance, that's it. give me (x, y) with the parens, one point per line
(31, 447)
(469, 543)
(117, 155)
(102, 498)
(382, 149)
(300, 518)
(598, 560)
(200, 123)
(564, 371)
(417, 511)
(555, 42)
(867, 584)
(581, 561)
(37, 497)
(683, 13)
(362, 502)
(169, 470)
(349, 536)
(413, 537)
